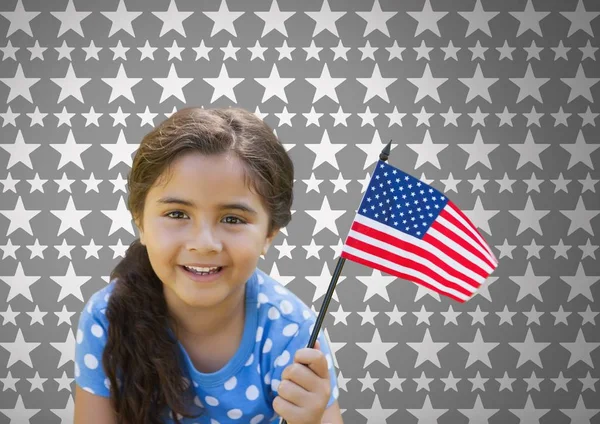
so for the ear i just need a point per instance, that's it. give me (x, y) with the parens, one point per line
(269, 240)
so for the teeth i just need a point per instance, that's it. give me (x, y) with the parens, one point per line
(202, 270)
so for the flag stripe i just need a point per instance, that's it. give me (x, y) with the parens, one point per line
(456, 248)
(409, 260)
(458, 234)
(456, 257)
(402, 240)
(395, 269)
(460, 215)
(455, 227)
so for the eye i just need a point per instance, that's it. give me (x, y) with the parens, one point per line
(239, 221)
(175, 212)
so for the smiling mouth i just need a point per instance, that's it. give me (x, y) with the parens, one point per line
(211, 272)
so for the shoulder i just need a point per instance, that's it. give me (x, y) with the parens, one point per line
(284, 321)
(94, 309)
(278, 304)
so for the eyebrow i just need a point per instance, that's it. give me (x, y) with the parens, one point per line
(239, 206)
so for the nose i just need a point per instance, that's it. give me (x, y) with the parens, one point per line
(205, 240)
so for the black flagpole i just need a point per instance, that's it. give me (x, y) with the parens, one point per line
(383, 156)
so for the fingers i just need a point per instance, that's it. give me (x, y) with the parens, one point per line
(314, 359)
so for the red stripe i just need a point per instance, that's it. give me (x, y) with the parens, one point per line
(424, 253)
(397, 274)
(408, 263)
(429, 238)
(470, 223)
(445, 214)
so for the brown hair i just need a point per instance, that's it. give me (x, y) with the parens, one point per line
(138, 339)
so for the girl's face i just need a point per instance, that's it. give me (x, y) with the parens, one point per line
(193, 219)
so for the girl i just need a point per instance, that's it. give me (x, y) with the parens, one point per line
(189, 330)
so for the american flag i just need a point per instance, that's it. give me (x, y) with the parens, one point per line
(407, 228)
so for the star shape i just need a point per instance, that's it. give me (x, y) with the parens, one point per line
(376, 283)
(325, 85)
(478, 19)
(478, 349)
(274, 85)
(580, 151)
(70, 217)
(529, 217)
(223, 85)
(376, 85)
(580, 283)
(580, 19)
(223, 19)
(70, 283)
(529, 85)
(529, 151)
(427, 85)
(478, 85)
(325, 217)
(172, 85)
(478, 151)
(121, 85)
(427, 19)
(19, 283)
(580, 350)
(321, 283)
(376, 19)
(529, 19)
(120, 218)
(19, 217)
(427, 350)
(120, 151)
(274, 19)
(529, 349)
(19, 19)
(529, 283)
(580, 85)
(580, 217)
(427, 151)
(70, 85)
(325, 19)
(19, 350)
(70, 19)
(172, 19)
(325, 151)
(480, 216)
(121, 19)
(19, 85)
(373, 149)
(19, 151)
(70, 151)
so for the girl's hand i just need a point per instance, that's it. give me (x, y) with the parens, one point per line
(305, 388)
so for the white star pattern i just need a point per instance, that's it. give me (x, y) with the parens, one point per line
(494, 104)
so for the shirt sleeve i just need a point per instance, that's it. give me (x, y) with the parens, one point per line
(286, 358)
(92, 332)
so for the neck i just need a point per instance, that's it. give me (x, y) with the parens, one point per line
(202, 324)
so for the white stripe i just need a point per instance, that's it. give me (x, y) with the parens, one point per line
(451, 244)
(460, 233)
(410, 271)
(417, 242)
(451, 210)
(417, 258)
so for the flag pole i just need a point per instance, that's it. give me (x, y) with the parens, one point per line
(383, 156)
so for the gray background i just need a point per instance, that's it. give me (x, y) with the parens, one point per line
(524, 349)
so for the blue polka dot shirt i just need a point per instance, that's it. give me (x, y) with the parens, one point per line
(277, 324)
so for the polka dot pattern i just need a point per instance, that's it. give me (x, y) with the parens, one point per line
(244, 389)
